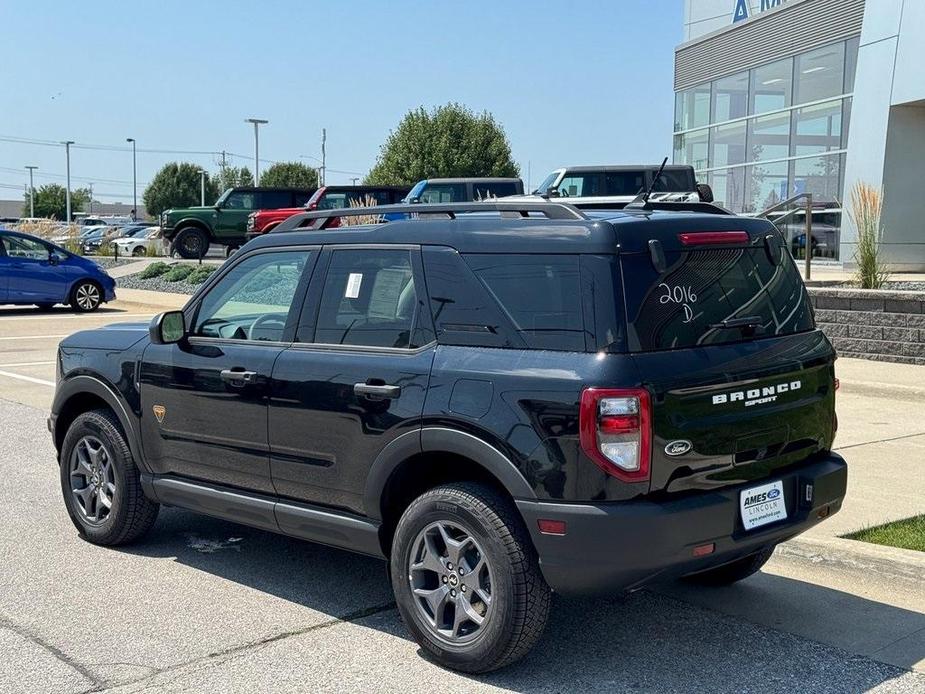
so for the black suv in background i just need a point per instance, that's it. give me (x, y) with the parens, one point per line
(501, 399)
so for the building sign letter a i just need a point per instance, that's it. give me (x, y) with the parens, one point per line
(741, 11)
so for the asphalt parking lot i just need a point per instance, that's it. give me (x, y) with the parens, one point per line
(202, 604)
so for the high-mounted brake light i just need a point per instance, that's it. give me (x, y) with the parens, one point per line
(615, 431)
(713, 238)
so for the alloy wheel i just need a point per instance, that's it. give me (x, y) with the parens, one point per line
(92, 476)
(87, 296)
(451, 581)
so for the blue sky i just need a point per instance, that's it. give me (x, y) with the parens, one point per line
(571, 82)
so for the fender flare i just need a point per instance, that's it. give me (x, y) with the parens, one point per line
(437, 439)
(83, 383)
(191, 222)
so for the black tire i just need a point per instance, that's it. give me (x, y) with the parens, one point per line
(138, 252)
(727, 574)
(86, 296)
(191, 243)
(519, 597)
(131, 513)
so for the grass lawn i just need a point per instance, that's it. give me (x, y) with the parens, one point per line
(907, 534)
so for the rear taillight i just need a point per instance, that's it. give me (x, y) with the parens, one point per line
(615, 428)
(713, 238)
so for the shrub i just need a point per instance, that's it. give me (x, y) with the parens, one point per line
(200, 274)
(153, 250)
(178, 273)
(866, 204)
(154, 270)
(106, 250)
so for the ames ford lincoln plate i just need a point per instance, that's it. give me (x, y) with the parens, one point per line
(501, 399)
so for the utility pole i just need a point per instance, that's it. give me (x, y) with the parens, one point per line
(31, 192)
(134, 181)
(91, 199)
(354, 179)
(257, 123)
(67, 153)
(202, 187)
(324, 139)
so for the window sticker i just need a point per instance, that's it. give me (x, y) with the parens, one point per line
(353, 285)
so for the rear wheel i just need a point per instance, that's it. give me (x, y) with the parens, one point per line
(734, 571)
(101, 484)
(138, 251)
(466, 578)
(191, 243)
(86, 296)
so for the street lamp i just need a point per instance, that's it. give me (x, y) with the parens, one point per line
(67, 153)
(202, 187)
(134, 181)
(31, 192)
(257, 123)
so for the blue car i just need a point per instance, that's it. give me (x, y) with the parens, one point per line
(34, 271)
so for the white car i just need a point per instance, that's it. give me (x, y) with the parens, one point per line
(140, 244)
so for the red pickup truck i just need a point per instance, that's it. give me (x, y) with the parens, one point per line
(326, 198)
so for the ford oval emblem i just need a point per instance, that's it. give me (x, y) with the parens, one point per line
(774, 493)
(675, 448)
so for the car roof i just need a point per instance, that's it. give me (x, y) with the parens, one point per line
(490, 233)
(264, 189)
(347, 189)
(626, 167)
(476, 179)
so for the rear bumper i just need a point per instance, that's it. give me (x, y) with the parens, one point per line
(619, 546)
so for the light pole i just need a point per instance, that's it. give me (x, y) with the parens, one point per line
(257, 123)
(91, 199)
(67, 153)
(31, 192)
(355, 179)
(134, 181)
(202, 187)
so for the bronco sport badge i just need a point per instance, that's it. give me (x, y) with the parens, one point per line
(757, 396)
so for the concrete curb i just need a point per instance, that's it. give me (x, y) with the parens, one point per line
(891, 563)
(146, 297)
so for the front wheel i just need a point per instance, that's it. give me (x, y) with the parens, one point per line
(138, 251)
(191, 243)
(466, 578)
(86, 296)
(101, 484)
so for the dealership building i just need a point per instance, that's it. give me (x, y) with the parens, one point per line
(779, 97)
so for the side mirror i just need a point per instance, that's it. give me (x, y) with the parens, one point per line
(414, 201)
(552, 192)
(704, 192)
(53, 258)
(167, 328)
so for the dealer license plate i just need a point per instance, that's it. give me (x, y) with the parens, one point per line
(762, 505)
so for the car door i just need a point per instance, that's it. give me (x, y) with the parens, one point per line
(204, 400)
(33, 276)
(4, 271)
(356, 377)
(232, 215)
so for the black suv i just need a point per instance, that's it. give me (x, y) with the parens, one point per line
(501, 399)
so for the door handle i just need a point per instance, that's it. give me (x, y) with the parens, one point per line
(239, 379)
(369, 390)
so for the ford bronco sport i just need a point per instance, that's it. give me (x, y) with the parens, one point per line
(501, 399)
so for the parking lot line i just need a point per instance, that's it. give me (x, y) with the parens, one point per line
(28, 363)
(28, 379)
(32, 337)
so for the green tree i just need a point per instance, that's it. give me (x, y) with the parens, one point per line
(51, 201)
(177, 185)
(233, 177)
(290, 174)
(448, 141)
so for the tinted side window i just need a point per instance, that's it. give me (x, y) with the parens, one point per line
(368, 299)
(444, 192)
(540, 294)
(675, 182)
(576, 185)
(624, 182)
(301, 199)
(273, 200)
(242, 200)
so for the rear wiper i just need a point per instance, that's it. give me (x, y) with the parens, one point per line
(747, 322)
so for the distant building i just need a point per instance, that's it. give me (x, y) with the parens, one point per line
(14, 208)
(764, 94)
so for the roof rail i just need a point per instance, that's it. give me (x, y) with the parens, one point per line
(552, 210)
(680, 206)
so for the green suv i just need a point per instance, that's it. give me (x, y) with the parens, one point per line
(190, 230)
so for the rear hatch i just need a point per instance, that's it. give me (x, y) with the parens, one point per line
(721, 330)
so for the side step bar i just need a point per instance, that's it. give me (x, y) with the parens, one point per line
(303, 521)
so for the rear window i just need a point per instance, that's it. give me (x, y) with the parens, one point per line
(540, 295)
(675, 182)
(686, 305)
